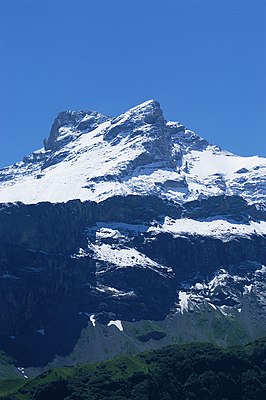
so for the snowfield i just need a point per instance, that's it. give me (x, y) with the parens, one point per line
(216, 228)
(94, 157)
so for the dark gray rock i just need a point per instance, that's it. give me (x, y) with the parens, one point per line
(44, 278)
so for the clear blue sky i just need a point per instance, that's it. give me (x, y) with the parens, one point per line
(204, 60)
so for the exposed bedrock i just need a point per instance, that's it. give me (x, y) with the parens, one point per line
(49, 273)
(60, 228)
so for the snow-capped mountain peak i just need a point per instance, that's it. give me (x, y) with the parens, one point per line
(90, 156)
(149, 112)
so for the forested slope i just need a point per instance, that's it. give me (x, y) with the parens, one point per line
(195, 371)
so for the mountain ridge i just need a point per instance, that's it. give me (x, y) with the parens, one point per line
(89, 156)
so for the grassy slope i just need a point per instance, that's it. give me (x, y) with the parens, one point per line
(121, 374)
(204, 324)
(10, 377)
(121, 368)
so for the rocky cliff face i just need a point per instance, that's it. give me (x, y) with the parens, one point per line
(116, 261)
(142, 220)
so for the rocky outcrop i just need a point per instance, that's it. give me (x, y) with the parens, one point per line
(70, 124)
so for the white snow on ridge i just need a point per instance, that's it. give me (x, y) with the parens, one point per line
(89, 157)
(120, 227)
(213, 306)
(104, 233)
(225, 310)
(217, 172)
(115, 292)
(114, 230)
(208, 162)
(136, 158)
(219, 228)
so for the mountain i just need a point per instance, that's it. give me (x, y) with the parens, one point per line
(89, 156)
(126, 234)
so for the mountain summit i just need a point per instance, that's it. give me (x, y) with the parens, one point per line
(125, 234)
(90, 156)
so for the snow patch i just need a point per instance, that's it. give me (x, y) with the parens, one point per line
(114, 292)
(91, 317)
(183, 299)
(124, 257)
(218, 228)
(116, 323)
(213, 306)
(224, 310)
(104, 233)
(93, 320)
(247, 288)
(22, 370)
(118, 227)
(199, 286)
(40, 331)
